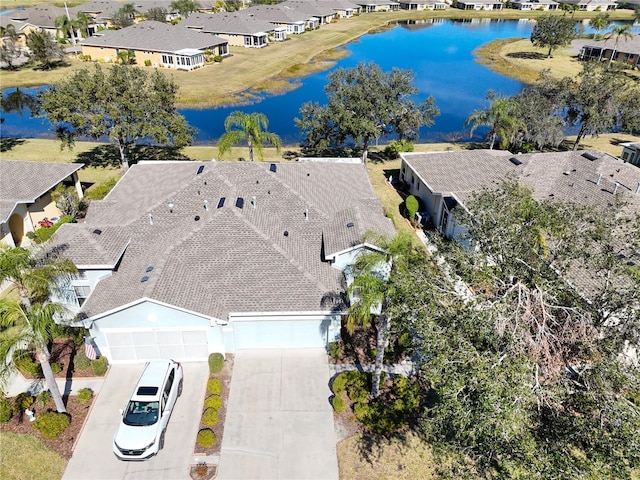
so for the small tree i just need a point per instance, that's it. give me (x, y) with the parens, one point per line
(598, 23)
(553, 32)
(9, 50)
(413, 205)
(183, 7)
(249, 127)
(157, 14)
(501, 118)
(67, 200)
(44, 48)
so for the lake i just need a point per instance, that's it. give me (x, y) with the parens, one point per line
(439, 53)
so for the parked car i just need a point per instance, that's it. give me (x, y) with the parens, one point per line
(140, 434)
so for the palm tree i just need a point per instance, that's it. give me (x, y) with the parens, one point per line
(500, 117)
(599, 22)
(65, 27)
(372, 288)
(82, 23)
(252, 128)
(35, 280)
(618, 31)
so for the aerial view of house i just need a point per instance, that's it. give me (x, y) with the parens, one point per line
(626, 51)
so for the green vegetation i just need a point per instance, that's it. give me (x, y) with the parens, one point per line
(100, 366)
(85, 395)
(338, 403)
(210, 417)
(206, 438)
(6, 410)
(26, 456)
(214, 386)
(80, 360)
(250, 128)
(213, 401)
(52, 424)
(43, 397)
(216, 362)
(99, 191)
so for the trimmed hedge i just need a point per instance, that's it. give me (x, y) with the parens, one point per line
(210, 417)
(340, 383)
(100, 366)
(214, 386)
(52, 424)
(99, 191)
(216, 362)
(338, 403)
(85, 395)
(213, 401)
(206, 438)
(6, 410)
(80, 360)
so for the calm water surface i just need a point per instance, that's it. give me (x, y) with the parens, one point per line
(440, 55)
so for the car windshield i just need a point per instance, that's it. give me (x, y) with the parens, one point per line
(141, 414)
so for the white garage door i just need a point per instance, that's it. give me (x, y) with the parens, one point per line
(143, 345)
(281, 334)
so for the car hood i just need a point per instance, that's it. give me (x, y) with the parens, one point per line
(130, 437)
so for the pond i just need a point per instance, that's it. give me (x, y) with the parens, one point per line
(439, 53)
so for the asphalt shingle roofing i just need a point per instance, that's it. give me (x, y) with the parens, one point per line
(24, 182)
(263, 257)
(235, 23)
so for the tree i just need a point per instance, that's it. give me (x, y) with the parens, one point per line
(9, 50)
(364, 103)
(65, 27)
(35, 279)
(44, 47)
(528, 367)
(183, 7)
(598, 23)
(81, 24)
(371, 290)
(500, 117)
(125, 16)
(553, 32)
(618, 32)
(127, 57)
(569, 7)
(157, 14)
(249, 127)
(126, 104)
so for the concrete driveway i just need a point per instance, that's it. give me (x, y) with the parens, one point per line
(279, 422)
(93, 458)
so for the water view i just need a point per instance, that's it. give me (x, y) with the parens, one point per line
(439, 53)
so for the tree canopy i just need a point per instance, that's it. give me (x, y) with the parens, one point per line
(250, 128)
(184, 7)
(553, 31)
(364, 103)
(44, 48)
(501, 116)
(126, 104)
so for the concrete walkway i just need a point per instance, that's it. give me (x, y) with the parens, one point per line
(279, 422)
(18, 384)
(405, 368)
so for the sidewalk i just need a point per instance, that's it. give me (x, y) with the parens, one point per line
(405, 368)
(18, 384)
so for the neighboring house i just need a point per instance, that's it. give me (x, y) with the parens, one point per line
(369, 6)
(445, 180)
(313, 9)
(479, 4)
(627, 50)
(183, 259)
(25, 195)
(293, 21)
(631, 153)
(42, 17)
(526, 5)
(102, 12)
(422, 5)
(237, 29)
(156, 43)
(592, 5)
(342, 8)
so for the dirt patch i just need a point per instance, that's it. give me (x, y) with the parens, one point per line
(62, 445)
(218, 428)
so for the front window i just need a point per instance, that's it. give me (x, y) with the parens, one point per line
(141, 414)
(82, 292)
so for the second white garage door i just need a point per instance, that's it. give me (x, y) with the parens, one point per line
(281, 334)
(144, 345)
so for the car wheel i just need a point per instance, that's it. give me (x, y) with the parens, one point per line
(180, 388)
(161, 443)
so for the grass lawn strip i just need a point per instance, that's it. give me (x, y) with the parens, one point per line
(27, 457)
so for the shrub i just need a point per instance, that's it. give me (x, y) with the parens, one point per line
(6, 410)
(214, 386)
(213, 401)
(217, 58)
(338, 403)
(147, 63)
(206, 438)
(80, 360)
(24, 362)
(85, 395)
(210, 416)
(44, 234)
(56, 368)
(396, 146)
(99, 191)
(334, 350)
(361, 410)
(340, 382)
(52, 424)
(99, 366)
(44, 397)
(22, 401)
(358, 386)
(216, 362)
(412, 205)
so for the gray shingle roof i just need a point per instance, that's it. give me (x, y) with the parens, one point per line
(24, 182)
(154, 36)
(311, 8)
(89, 246)
(276, 14)
(42, 16)
(236, 23)
(229, 259)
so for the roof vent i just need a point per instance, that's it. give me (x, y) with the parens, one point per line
(200, 169)
(196, 218)
(97, 231)
(589, 156)
(206, 205)
(239, 202)
(566, 172)
(515, 161)
(149, 269)
(144, 279)
(273, 168)
(350, 224)
(286, 233)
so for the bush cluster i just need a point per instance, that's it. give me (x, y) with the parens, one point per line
(44, 234)
(213, 401)
(338, 403)
(22, 401)
(85, 395)
(6, 410)
(334, 350)
(340, 382)
(206, 438)
(99, 366)
(52, 424)
(99, 191)
(80, 360)
(214, 386)
(44, 397)
(210, 416)
(216, 362)
(24, 362)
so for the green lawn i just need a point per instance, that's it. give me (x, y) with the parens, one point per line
(25, 457)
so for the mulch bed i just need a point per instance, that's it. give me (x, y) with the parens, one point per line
(63, 445)
(63, 351)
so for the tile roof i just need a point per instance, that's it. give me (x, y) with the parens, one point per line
(24, 182)
(235, 23)
(229, 259)
(153, 36)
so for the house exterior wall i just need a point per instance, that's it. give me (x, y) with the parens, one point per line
(631, 155)
(429, 201)
(234, 40)
(43, 207)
